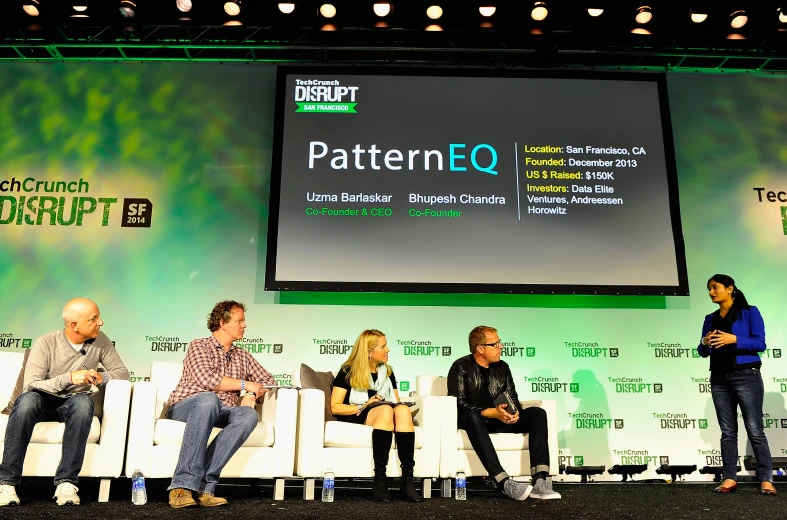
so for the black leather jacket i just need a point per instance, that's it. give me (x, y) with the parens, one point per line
(464, 382)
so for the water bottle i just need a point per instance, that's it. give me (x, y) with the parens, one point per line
(138, 494)
(780, 472)
(327, 486)
(461, 485)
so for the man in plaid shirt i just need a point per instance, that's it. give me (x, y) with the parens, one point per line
(220, 385)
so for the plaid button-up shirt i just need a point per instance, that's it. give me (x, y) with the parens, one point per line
(207, 363)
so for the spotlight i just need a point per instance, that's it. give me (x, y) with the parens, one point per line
(595, 11)
(738, 19)
(232, 7)
(128, 9)
(80, 8)
(627, 470)
(539, 12)
(644, 14)
(328, 10)
(487, 10)
(585, 471)
(434, 28)
(640, 30)
(716, 471)
(286, 7)
(434, 12)
(328, 27)
(675, 471)
(382, 9)
(232, 23)
(698, 17)
(184, 6)
(783, 14)
(31, 8)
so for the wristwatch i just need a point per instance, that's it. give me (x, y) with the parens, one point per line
(360, 407)
(242, 385)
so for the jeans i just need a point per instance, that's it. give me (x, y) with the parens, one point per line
(741, 387)
(32, 407)
(200, 464)
(532, 420)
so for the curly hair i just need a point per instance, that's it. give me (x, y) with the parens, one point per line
(222, 311)
(477, 336)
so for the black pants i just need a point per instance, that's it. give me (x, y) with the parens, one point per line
(532, 420)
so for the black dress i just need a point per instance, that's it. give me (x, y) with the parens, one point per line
(341, 382)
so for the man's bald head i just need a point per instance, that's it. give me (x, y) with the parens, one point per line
(82, 320)
(77, 309)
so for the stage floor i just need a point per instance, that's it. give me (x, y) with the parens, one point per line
(583, 501)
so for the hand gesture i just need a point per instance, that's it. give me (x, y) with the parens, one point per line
(85, 377)
(249, 400)
(504, 416)
(719, 339)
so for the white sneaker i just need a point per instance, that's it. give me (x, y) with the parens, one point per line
(542, 490)
(516, 490)
(8, 495)
(66, 494)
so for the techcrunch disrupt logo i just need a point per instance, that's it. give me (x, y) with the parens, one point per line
(570, 460)
(483, 157)
(770, 422)
(775, 353)
(584, 349)
(774, 196)
(283, 379)
(703, 383)
(7, 340)
(672, 350)
(165, 344)
(134, 378)
(713, 457)
(314, 95)
(594, 421)
(550, 385)
(679, 421)
(415, 347)
(258, 346)
(511, 350)
(635, 385)
(782, 383)
(333, 346)
(640, 457)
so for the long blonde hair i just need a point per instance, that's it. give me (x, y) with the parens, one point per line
(357, 365)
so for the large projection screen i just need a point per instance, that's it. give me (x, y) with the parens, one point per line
(455, 181)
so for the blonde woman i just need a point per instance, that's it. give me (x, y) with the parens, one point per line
(364, 380)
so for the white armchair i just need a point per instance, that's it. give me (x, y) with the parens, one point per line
(154, 441)
(346, 448)
(512, 448)
(105, 443)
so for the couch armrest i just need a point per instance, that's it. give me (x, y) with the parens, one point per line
(280, 408)
(428, 415)
(141, 424)
(311, 433)
(550, 407)
(114, 423)
(448, 432)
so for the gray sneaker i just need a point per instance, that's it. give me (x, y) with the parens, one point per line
(542, 490)
(516, 490)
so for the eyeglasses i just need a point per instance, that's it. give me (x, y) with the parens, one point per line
(498, 344)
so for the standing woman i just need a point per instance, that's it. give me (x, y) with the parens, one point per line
(366, 378)
(732, 336)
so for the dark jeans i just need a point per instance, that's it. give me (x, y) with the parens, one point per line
(32, 407)
(531, 420)
(744, 388)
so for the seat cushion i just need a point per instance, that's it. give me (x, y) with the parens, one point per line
(306, 377)
(52, 432)
(340, 434)
(501, 441)
(170, 433)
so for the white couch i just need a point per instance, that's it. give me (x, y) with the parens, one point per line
(105, 443)
(346, 448)
(457, 452)
(154, 441)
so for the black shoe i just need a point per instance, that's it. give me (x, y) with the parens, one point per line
(380, 489)
(408, 490)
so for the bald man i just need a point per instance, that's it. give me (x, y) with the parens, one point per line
(59, 364)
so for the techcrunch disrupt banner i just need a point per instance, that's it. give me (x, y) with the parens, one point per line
(75, 207)
(594, 165)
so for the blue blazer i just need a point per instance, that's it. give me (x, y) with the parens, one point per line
(750, 331)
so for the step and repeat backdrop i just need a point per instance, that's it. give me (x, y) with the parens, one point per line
(146, 188)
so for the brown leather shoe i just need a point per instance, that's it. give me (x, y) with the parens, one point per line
(766, 488)
(208, 500)
(179, 498)
(728, 486)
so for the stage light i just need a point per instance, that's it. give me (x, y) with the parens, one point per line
(434, 12)
(738, 19)
(382, 9)
(486, 25)
(595, 11)
(286, 7)
(79, 8)
(735, 36)
(716, 471)
(675, 471)
(231, 23)
(698, 17)
(640, 30)
(232, 7)
(328, 27)
(644, 14)
(584, 471)
(31, 8)
(627, 470)
(327, 10)
(539, 12)
(783, 14)
(128, 9)
(487, 10)
(434, 27)
(184, 6)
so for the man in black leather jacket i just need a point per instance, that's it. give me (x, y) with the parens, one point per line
(476, 381)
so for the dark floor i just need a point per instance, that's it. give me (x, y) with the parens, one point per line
(602, 500)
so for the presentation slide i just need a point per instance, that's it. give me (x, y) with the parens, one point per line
(469, 183)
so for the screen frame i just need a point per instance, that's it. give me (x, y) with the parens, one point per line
(660, 79)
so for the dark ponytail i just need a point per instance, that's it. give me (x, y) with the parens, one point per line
(739, 301)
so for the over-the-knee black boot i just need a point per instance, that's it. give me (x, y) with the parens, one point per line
(405, 446)
(381, 447)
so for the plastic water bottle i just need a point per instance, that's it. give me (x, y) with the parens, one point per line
(461, 485)
(327, 486)
(138, 494)
(780, 472)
